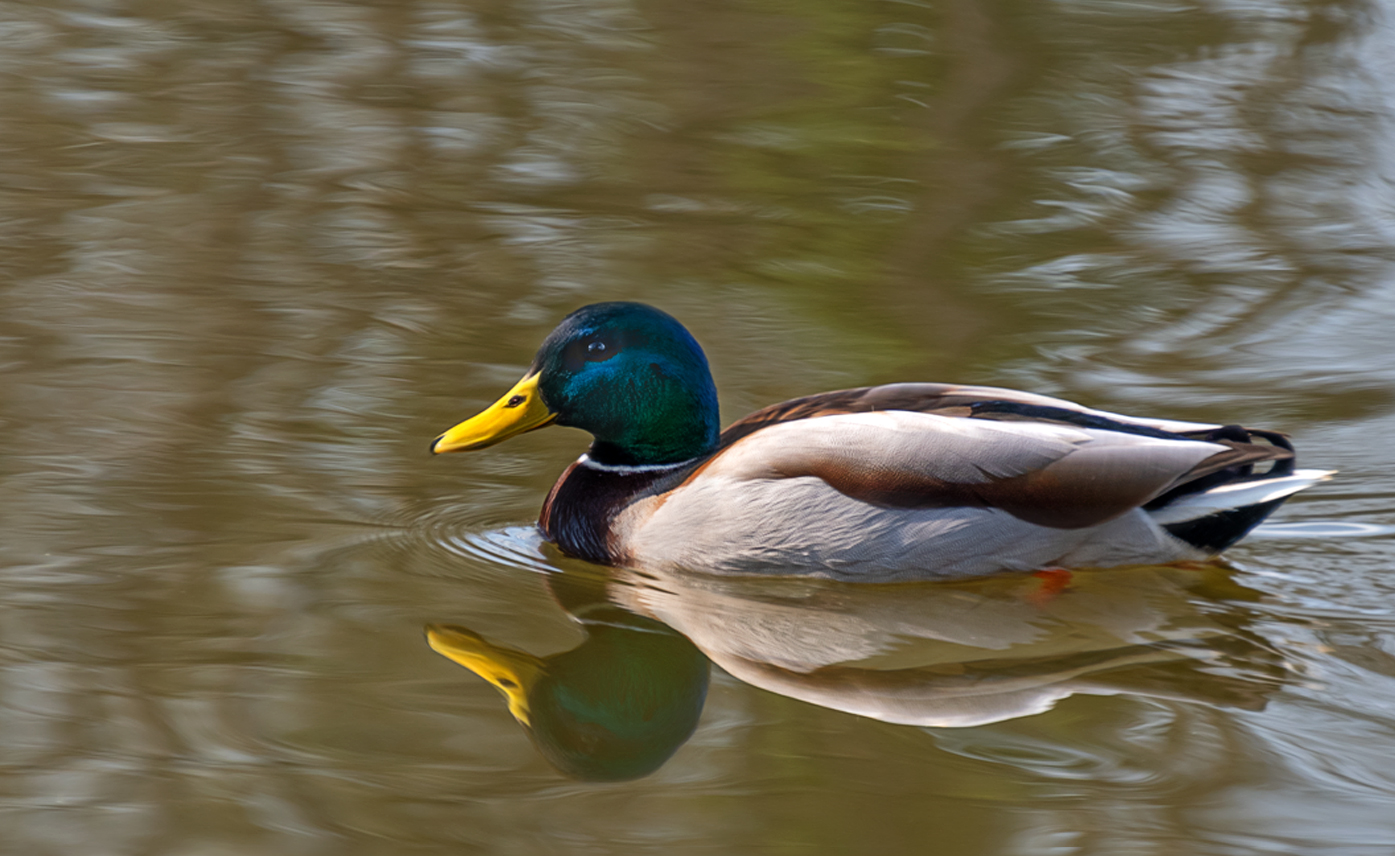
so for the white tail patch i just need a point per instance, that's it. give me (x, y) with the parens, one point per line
(1236, 495)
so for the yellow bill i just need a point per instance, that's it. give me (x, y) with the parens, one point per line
(520, 410)
(513, 672)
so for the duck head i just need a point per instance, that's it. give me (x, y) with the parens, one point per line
(629, 374)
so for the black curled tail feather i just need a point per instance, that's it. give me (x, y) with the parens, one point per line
(1278, 451)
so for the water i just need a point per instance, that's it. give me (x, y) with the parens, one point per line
(256, 256)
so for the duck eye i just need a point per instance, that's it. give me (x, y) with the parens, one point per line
(602, 347)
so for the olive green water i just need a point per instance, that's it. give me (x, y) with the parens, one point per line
(254, 256)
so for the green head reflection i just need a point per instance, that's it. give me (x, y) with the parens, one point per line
(615, 707)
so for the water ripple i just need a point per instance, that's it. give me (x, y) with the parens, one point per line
(511, 546)
(1322, 529)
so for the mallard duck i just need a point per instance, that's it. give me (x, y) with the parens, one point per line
(902, 481)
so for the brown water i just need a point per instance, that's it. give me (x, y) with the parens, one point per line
(256, 255)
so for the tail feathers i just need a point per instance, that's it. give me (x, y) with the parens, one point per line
(1236, 495)
(1214, 519)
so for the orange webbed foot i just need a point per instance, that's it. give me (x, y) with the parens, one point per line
(1053, 582)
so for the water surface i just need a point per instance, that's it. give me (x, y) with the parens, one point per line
(255, 256)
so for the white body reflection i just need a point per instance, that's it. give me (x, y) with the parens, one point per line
(966, 654)
(945, 654)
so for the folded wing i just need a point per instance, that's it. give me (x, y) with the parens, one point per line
(1047, 473)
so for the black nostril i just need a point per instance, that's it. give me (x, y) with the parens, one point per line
(516, 400)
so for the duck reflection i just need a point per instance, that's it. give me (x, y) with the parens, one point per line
(927, 654)
(971, 653)
(613, 708)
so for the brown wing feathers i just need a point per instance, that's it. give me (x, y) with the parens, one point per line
(1082, 489)
(1047, 497)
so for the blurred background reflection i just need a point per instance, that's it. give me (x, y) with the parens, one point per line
(254, 256)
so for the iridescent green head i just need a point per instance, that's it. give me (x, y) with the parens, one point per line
(629, 374)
